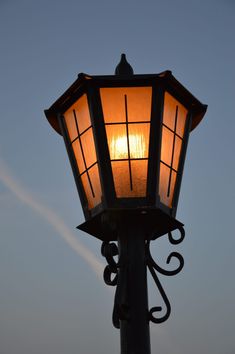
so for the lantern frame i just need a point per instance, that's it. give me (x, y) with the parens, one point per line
(132, 221)
(101, 221)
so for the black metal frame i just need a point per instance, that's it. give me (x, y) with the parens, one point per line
(133, 222)
(104, 216)
(131, 313)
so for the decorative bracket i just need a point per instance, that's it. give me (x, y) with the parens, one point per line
(111, 277)
(154, 267)
(109, 251)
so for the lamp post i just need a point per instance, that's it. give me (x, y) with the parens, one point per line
(126, 136)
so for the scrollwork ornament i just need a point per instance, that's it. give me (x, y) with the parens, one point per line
(109, 251)
(111, 277)
(154, 268)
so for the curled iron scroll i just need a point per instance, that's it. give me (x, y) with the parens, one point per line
(154, 267)
(109, 251)
(120, 308)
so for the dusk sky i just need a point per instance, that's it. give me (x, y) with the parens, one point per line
(52, 296)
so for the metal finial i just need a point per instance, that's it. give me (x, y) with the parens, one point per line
(124, 68)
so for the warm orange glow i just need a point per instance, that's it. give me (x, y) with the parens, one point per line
(80, 131)
(121, 176)
(127, 113)
(138, 104)
(174, 118)
(170, 104)
(166, 191)
(119, 147)
(130, 179)
(81, 111)
(91, 184)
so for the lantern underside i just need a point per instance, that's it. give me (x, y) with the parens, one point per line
(105, 225)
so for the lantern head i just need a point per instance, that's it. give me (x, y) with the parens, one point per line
(126, 137)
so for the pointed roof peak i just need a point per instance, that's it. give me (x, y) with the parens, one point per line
(123, 67)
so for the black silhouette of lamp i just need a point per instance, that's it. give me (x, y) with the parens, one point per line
(126, 136)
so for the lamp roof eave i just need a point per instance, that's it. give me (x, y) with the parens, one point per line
(166, 78)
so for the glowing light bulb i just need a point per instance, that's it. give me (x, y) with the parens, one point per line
(119, 147)
(137, 146)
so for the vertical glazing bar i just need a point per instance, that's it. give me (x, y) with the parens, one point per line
(173, 152)
(128, 143)
(155, 142)
(102, 151)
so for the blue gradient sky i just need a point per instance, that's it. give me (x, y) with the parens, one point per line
(52, 300)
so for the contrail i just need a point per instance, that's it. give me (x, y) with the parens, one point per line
(59, 225)
(51, 217)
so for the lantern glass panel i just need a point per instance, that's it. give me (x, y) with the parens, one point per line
(78, 155)
(91, 184)
(117, 141)
(138, 102)
(174, 118)
(139, 140)
(88, 145)
(80, 132)
(167, 184)
(126, 186)
(170, 104)
(127, 114)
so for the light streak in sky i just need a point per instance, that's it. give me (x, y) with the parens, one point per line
(58, 224)
(51, 217)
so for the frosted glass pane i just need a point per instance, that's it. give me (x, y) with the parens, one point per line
(164, 185)
(182, 115)
(82, 113)
(169, 114)
(117, 141)
(94, 184)
(139, 100)
(137, 103)
(88, 146)
(139, 140)
(139, 177)
(78, 156)
(167, 145)
(169, 111)
(80, 107)
(113, 104)
(177, 150)
(122, 181)
(87, 189)
(71, 125)
(121, 178)
(95, 181)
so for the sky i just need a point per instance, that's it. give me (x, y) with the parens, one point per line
(52, 296)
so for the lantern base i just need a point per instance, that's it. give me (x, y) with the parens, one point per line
(105, 225)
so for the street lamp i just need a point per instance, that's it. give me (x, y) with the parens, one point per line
(126, 136)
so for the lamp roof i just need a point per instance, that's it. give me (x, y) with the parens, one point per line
(166, 78)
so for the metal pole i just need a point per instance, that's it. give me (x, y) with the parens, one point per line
(134, 329)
